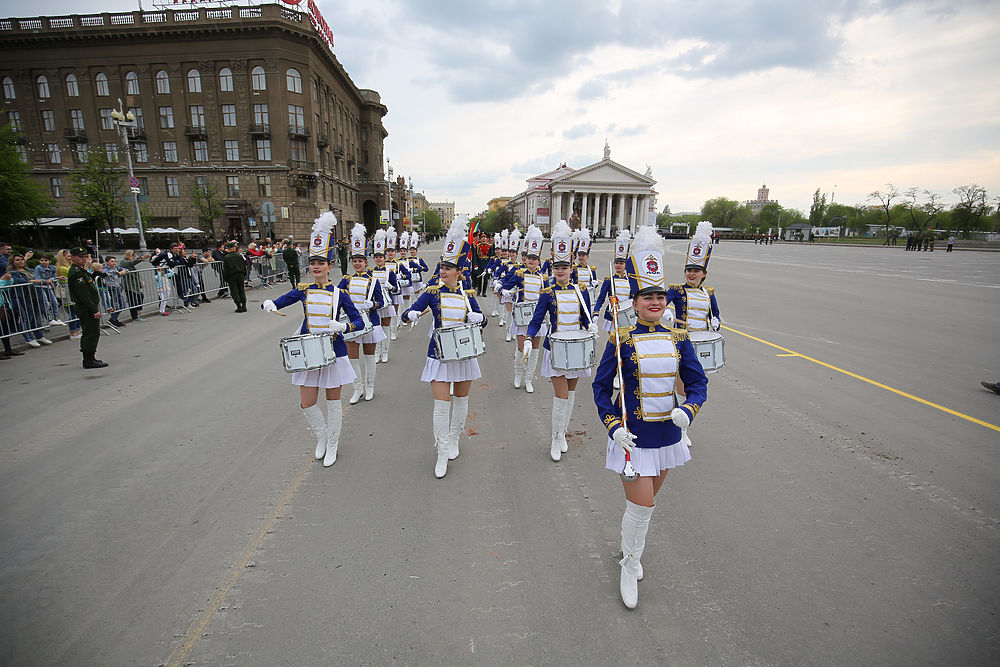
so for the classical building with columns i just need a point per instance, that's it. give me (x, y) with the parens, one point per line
(605, 196)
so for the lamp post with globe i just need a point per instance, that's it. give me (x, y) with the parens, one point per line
(123, 121)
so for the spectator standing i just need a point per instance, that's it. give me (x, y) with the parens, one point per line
(45, 273)
(162, 276)
(217, 256)
(63, 265)
(111, 277)
(27, 308)
(951, 243)
(131, 283)
(291, 259)
(7, 323)
(4, 256)
(83, 291)
(342, 247)
(234, 272)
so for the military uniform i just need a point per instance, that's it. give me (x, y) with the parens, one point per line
(234, 271)
(83, 292)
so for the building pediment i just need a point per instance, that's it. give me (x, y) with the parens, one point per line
(604, 173)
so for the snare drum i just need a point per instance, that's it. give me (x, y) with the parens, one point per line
(627, 317)
(307, 352)
(523, 311)
(709, 346)
(354, 335)
(572, 350)
(459, 342)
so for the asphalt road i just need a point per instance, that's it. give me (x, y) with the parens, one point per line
(842, 504)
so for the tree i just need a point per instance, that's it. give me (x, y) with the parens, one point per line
(208, 204)
(666, 210)
(913, 210)
(970, 208)
(932, 208)
(432, 223)
(817, 212)
(721, 212)
(96, 186)
(884, 198)
(770, 215)
(21, 198)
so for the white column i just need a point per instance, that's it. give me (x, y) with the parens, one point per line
(621, 211)
(583, 210)
(633, 200)
(607, 214)
(555, 208)
(641, 215)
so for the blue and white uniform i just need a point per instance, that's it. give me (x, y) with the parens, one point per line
(363, 286)
(449, 306)
(618, 285)
(568, 309)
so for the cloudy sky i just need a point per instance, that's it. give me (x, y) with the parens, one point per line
(717, 97)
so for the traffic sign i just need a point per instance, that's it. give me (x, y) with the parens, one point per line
(135, 191)
(134, 182)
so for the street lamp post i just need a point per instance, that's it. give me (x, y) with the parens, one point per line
(124, 121)
(389, 183)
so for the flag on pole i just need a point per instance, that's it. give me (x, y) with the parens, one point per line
(473, 228)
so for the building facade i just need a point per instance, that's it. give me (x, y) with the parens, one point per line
(248, 102)
(761, 201)
(445, 209)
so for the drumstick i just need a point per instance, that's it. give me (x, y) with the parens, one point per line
(414, 322)
(278, 312)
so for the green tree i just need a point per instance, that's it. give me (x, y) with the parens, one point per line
(96, 185)
(721, 212)
(885, 198)
(970, 208)
(21, 198)
(770, 216)
(208, 204)
(432, 222)
(817, 212)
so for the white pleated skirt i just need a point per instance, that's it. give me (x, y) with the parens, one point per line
(436, 370)
(330, 376)
(406, 291)
(507, 298)
(648, 462)
(385, 311)
(398, 298)
(376, 335)
(549, 372)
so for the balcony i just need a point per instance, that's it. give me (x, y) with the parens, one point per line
(338, 151)
(136, 133)
(259, 131)
(350, 160)
(322, 141)
(75, 135)
(302, 165)
(299, 132)
(195, 131)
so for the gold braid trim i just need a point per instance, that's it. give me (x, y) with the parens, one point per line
(433, 289)
(679, 335)
(710, 290)
(675, 286)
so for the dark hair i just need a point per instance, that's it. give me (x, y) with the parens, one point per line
(110, 257)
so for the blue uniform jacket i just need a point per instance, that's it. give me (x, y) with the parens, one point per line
(677, 295)
(515, 280)
(547, 305)
(418, 267)
(431, 299)
(344, 285)
(345, 306)
(436, 278)
(607, 289)
(654, 433)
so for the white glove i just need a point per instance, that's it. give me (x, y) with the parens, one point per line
(680, 418)
(336, 326)
(507, 292)
(368, 305)
(475, 318)
(593, 327)
(526, 349)
(624, 439)
(594, 283)
(269, 307)
(412, 316)
(716, 324)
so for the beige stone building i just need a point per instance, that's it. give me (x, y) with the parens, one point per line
(249, 100)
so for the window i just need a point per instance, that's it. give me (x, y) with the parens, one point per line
(107, 122)
(293, 80)
(260, 115)
(257, 80)
(43, 86)
(76, 118)
(296, 117)
(131, 83)
(197, 115)
(301, 191)
(166, 117)
(226, 80)
(232, 150)
(264, 186)
(72, 86)
(102, 84)
(14, 118)
(55, 156)
(201, 182)
(364, 134)
(173, 189)
(82, 152)
(162, 83)
(316, 90)
(55, 184)
(49, 120)
(143, 186)
(141, 151)
(229, 115)
(264, 149)
(170, 151)
(200, 150)
(298, 149)
(111, 151)
(23, 152)
(140, 120)
(194, 81)
(8, 89)
(233, 186)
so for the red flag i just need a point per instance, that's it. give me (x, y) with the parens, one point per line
(472, 236)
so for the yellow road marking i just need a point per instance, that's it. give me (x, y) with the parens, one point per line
(197, 628)
(792, 353)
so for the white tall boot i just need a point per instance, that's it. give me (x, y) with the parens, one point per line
(359, 387)
(385, 344)
(441, 429)
(518, 368)
(334, 420)
(558, 410)
(459, 411)
(566, 417)
(635, 524)
(530, 369)
(393, 327)
(369, 376)
(314, 417)
(509, 334)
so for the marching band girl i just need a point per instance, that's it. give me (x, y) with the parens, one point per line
(491, 270)
(365, 291)
(695, 307)
(568, 309)
(450, 304)
(390, 287)
(649, 429)
(584, 274)
(617, 284)
(402, 278)
(418, 267)
(513, 264)
(499, 273)
(525, 285)
(322, 304)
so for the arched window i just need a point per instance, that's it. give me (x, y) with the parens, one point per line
(257, 81)
(294, 81)
(102, 84)
(43, 86)
(8, 88)
(226, 80)
(194, 81)
(72, 86)
(162, 83)
(131, 83)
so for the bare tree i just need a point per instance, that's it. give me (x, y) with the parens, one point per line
(970, 207)
(932, 207)
(884, 198)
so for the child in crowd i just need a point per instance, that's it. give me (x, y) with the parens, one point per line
(163, 276)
